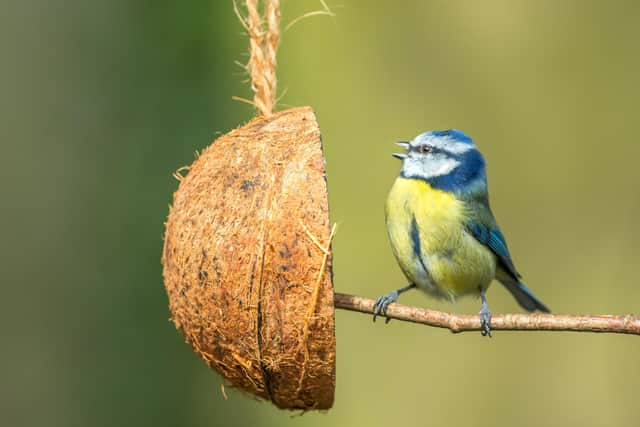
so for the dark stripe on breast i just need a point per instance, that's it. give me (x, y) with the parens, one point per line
(415, 242)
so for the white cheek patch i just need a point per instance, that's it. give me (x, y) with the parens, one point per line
(442, 167)
(429, 169)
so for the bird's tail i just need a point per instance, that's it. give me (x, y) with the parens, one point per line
(523, 295)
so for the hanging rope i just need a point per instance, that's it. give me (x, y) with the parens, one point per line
(264, 38)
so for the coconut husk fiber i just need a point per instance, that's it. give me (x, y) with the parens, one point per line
(246, 261)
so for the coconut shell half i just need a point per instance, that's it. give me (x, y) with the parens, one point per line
(247, 264)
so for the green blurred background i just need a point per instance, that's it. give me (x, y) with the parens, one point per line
(102, 101)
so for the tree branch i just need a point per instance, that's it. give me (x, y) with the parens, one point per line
(626, 324)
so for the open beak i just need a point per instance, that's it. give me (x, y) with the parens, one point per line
(404, 145)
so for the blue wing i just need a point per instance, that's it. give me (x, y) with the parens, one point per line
(494, 240)
(507, 275)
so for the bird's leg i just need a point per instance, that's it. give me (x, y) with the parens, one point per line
(383, 302)
(485, 315)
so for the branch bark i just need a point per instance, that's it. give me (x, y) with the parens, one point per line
(625, 324)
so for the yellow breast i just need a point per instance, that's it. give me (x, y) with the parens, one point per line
(428, 236)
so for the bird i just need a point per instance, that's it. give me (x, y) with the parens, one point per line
(441, 228)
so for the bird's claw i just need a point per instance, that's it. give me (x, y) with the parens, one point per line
(485, 320)
(382, 303)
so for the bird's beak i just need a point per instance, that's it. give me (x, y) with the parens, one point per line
(404, 145)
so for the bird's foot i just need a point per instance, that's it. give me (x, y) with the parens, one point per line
(485, 320)
(383, 302)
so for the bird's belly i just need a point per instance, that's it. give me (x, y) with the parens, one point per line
(429, 239)
(463, 268)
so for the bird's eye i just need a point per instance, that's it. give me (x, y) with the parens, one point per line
(424, 149)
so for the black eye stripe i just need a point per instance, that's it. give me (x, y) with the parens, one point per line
(426, 148)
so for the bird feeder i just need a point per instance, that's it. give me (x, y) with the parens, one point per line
(247, 261)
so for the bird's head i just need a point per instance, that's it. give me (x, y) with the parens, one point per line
(446, 159)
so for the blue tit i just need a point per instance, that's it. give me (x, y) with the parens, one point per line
(441, 228)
